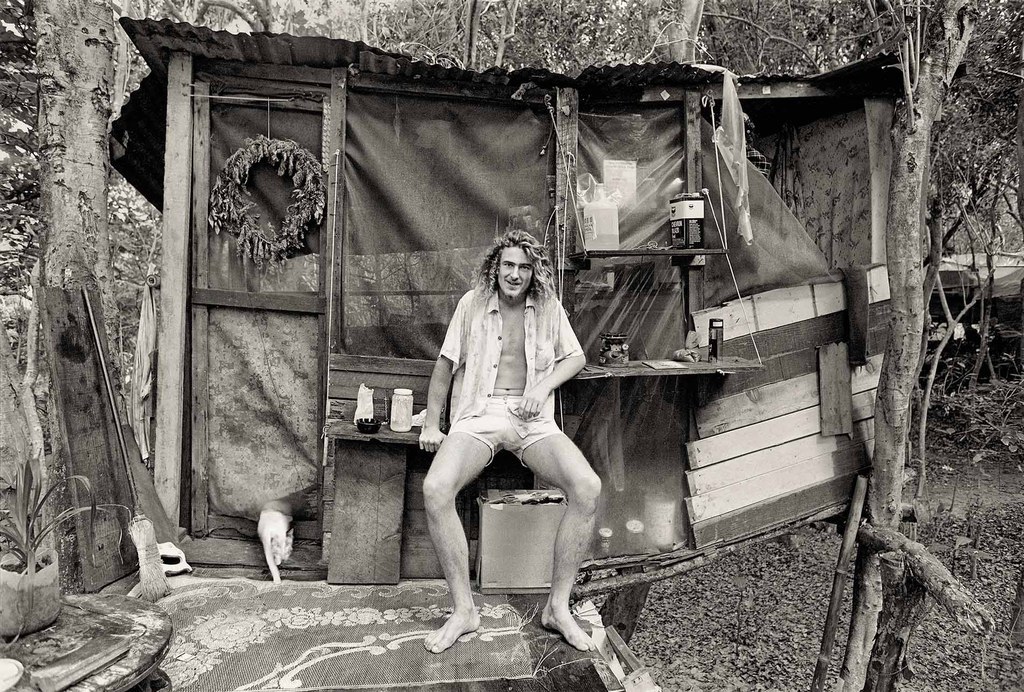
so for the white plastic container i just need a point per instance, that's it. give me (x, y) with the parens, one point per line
(601, 222)
(401, 410)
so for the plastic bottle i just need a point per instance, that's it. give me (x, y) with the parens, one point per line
(601, 222)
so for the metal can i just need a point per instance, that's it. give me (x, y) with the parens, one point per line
(686, 220)
(716, 337)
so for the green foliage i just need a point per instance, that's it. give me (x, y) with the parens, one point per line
(19, 189)
(976, 176)
(988, 420)
(24, 525)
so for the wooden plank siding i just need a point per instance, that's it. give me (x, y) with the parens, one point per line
(832, 494)
(766, 433)
(775, 399)
(790, 350)
(366, 529)
(763, 457)
(848, 458)
(784, 306)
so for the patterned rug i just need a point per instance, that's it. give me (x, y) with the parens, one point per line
(237, 634)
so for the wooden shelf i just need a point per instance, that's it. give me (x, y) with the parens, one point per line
(581, 260)
(347, 430)
(641, 368)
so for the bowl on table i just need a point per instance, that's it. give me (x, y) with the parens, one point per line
(368, 426)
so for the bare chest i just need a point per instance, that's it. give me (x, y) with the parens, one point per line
(513, 332)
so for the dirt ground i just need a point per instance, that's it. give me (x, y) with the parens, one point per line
(753, 620)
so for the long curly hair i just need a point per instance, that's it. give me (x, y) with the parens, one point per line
(542, 284)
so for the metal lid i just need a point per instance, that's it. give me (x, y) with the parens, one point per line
(403, 392)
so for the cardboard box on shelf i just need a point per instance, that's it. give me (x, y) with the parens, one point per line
(517, 539)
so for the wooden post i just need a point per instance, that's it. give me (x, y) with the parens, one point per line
(692, 274)
(174, 284)
(566, 148)
(860, 489)
(693, 181)
(335, 208)
(621, 610)
(879, 112)
(200, 355)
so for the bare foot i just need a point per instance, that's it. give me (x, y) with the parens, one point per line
(565, 624)
(458, 624)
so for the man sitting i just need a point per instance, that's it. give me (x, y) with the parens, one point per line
(509, 346)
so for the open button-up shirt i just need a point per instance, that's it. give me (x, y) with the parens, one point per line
(473, 345)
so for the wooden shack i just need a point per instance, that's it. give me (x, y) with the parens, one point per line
(260, 365)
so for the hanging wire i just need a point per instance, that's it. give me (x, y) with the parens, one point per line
(722, 235)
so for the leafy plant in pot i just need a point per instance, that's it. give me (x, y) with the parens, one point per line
(30, 596)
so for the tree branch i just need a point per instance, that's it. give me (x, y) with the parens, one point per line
(230, 7)
(933, 576)
(768, 35)
(175, 11)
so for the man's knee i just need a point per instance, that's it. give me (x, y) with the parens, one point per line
(586, 489)
(438, 493)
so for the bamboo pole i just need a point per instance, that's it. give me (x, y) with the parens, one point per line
(839, 583)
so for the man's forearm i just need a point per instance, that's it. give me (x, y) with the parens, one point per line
(564, 371)
(437, 391)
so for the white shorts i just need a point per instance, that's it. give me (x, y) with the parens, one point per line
(501, 428)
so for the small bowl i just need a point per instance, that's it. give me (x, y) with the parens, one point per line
(368, 426)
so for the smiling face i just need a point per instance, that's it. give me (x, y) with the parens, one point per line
(515, 272)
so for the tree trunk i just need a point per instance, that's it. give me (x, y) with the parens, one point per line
(1017, 613)
(74, 61)
(888, 665)
(986, 321)
(948, 32)
(867, 604)
(675, 40)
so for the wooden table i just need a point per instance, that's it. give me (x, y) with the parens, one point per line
(87, 618)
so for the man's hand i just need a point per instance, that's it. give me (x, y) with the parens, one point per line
(431, 438)
(533, 401)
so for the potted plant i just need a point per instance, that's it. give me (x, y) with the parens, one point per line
(30, 596)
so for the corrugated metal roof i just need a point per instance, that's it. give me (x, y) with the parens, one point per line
(639, 75)
(140, 129)
(156, 39)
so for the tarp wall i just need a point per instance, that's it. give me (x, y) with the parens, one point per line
(821, 170)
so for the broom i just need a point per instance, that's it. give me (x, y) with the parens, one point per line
(153, 583)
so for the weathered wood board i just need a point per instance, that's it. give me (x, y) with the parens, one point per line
(784, 306)
(775, 399)
(88, 441)
(764, 516)
(738, 469)
(366, 532)
(751, 438)
(834, 388)
(848, 458)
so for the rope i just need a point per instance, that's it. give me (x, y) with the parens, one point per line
(725, 242)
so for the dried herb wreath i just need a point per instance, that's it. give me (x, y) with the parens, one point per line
(229, 206)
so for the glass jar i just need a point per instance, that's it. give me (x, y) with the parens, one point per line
(401, 410)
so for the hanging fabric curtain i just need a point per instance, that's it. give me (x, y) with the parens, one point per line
(142, 373)
(731, 144)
